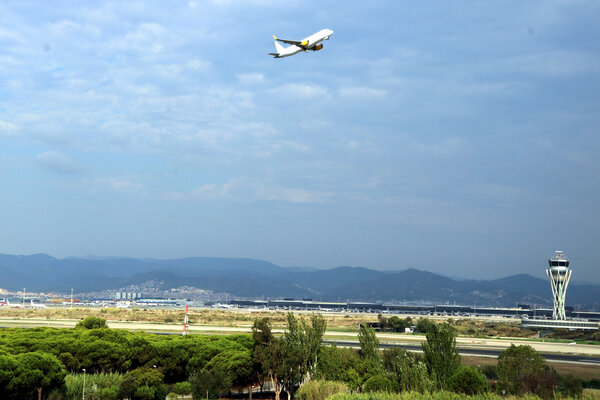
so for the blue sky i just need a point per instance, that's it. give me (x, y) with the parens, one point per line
(456, 137)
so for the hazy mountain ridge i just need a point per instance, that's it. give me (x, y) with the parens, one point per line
(256, 278)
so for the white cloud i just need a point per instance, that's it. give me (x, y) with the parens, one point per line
(250, 78)
(362, 92)
(113, 184)
(300, 90)
(8, 128)
(145, 38)
(446, 146)
(58, 162)
(552, 64)
(198, 64)
(244, 190)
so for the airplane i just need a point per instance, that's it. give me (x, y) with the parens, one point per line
(6, 303)
(37, 305)
(220, 305)
(312, 43)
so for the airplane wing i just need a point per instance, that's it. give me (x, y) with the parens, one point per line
(294, 42)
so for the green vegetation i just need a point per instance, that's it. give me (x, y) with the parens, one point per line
(92, 323)
(318, 390)
(442, 395)
(48, 363)
(440, 353)
(468, 380)
(521, 369)
(287, 361)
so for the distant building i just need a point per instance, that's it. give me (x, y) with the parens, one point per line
(127, 295)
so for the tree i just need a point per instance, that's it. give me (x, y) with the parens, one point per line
(302, 343)
(92, 323)
(143, 377)
(570, 385)
(269, 353)
(406, 371)
(441, 353)
(468, 380)
(182, 388)
(209, 383)
(369, 344)
(424, 325)
(37, 371)
(517, 366)
(370, 357)
(8, 365)
(377, 383)
(338, 364)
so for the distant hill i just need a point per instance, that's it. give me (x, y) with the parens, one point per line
(255, 279)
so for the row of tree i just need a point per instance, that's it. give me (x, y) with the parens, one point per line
(520, 369)
(136, 365)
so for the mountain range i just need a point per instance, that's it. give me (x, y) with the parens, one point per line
(248, 278)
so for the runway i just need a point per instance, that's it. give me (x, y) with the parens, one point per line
(581, 359)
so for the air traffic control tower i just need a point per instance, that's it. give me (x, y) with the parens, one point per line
(559, 273)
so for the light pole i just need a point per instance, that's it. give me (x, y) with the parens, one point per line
(83, 395)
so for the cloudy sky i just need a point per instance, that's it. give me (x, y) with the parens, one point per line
(456, 137)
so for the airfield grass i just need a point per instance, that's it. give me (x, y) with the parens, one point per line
(225, 318)
(240, 317)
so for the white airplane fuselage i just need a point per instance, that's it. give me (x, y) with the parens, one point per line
(311, 42)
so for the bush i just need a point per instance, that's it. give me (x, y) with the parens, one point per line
(490, 371)
(378, 383)
(92, 323)
(182, 388)
(424, 325)
(521, 369)
(97, 386)
(317, 390)
(442, 395)
(570, 385)
(108, 393)
(144, 393)
(468, 380)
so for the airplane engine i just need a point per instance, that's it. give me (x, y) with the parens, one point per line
(304, 43)
(317, 47)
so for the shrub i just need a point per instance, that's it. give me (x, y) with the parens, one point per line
(182, 388)
(424, 325)
(377, 383)
(317, 390)
(570, 385)
(490, 371)
(468, 380)
(92, 323)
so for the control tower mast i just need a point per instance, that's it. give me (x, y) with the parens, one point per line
(559, 274)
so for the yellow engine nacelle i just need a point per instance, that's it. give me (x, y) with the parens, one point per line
(318, 47)
(304, 43)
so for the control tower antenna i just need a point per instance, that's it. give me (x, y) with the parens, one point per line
(186, 322)
(559, 274)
